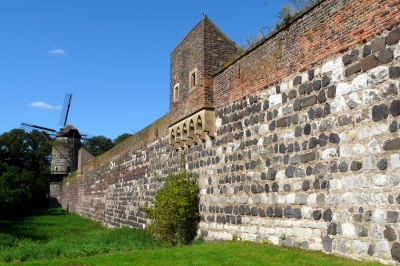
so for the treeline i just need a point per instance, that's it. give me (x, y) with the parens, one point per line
(25, 159)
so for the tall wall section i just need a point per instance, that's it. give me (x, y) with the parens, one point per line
(307, 142)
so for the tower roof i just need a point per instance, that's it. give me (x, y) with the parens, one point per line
(69, 131)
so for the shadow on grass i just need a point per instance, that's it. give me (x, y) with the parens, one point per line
(26, 228)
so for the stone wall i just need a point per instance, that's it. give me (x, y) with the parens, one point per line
(308, 157)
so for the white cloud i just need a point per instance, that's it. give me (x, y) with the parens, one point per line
(57, 51)
(44, 106)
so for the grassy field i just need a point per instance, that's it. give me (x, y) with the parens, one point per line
(54, 237)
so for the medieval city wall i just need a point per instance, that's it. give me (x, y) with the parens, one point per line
(307, 142)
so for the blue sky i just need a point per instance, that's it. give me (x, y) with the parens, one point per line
(113, 56)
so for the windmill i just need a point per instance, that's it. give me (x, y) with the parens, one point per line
(66, 144)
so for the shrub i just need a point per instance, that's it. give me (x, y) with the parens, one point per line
(174, 210)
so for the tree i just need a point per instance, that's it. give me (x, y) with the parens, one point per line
(174, 209)
(98, 145)
(24, 172)
(121, 138)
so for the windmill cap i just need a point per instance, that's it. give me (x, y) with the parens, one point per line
(68, 131)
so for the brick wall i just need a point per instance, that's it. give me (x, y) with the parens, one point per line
(308, 155)
(326, 29)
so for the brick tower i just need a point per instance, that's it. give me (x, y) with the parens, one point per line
(193, 61)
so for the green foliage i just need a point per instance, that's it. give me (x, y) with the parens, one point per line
(121, 138)
(174, 209)
(98, 145)
(55, 233)
(25, 165)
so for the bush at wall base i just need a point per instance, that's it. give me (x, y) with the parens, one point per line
(174, 210)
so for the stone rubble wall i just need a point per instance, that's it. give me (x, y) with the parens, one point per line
(311, 160)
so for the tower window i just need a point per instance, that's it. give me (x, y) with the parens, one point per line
(193, 79)
(176, 92)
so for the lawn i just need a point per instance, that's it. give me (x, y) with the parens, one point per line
(55, 237)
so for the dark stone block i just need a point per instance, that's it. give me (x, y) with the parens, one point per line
(265, 105)
(278, 212)
(357, 217)
(319, 112)
(286, 159)
(284, 98)
(286, 187)
(325, 184)
(296, 146)
(268, 162)
(380, 112)
(366, 50)
(327, 243)
(307, 157)
(307, 129)
(344, 120)
(310, 74)
(253, 211)
(346, 59)
(321, 96)
(369, 62)
(393, 36)
(332, 229)
(309, 170)
(360, 209)
(311, 113)
(362, 231)
(270, 212)
(334, 138)
(391, 144)
(393, 126)
(389, 233)
(317, 85)
(394, 108)
(278, 88)
(309, 88)
(327, 109)
(292, 94)
(298, 131)
(352, 70)
(354, 55)
(371, 249)
(317, 214)
(297, 104)
(385, 56)
(275, 187)
(394, 72)
(297, 213)
(275, 138)
(266, 188)
(378, 44)
(304, 145)
(271, 174)
(306, 185)
(261, 212)
(290, 148)
(297, 80)
(333, 167)
(302, 89)
(316, 184)
(392, 216)
(323, 139)
(325, 80)
(247, 210)
(289, 172)
(294, 118)
(272, 125)
(343, 167)
(253, 189)
(332, 92)
(355, 166)
(288, 212)
(308, 101)
(327, 216)
(382, 164)
(241, 210)
(395, 251)
(313, 143)
(368, 216)
(282, 122)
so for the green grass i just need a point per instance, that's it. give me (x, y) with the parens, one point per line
(55, 237)
(55, 233)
